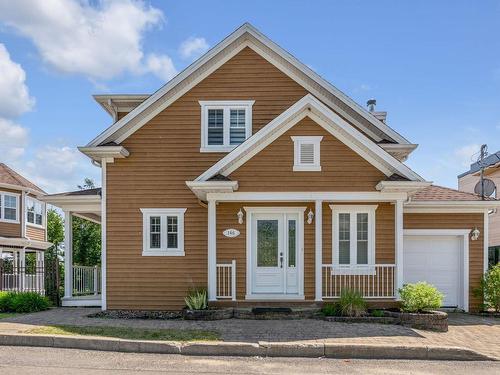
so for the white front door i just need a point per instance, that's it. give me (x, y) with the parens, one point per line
(276, 261)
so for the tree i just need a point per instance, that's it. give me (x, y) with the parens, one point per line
(55, 233)
(86, 236)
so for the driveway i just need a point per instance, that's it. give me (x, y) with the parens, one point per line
(481, 334)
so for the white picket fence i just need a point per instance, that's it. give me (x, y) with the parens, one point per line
(226, 280)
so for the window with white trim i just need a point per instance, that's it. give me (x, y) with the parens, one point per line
(35, 211)
(306, 153)
(163, 231)
(353, 237)
(9, 207)
(225, 124)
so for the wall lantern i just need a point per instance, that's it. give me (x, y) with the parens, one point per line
(474, 235)
(310, 217)
(240, 215)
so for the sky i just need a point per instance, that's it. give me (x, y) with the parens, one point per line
(434, 66)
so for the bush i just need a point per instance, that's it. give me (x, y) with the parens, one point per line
(23, 302)
(197, 299)
(351, 303)
(420, 297)
(331, 309)
(489, 289)
(377, 313)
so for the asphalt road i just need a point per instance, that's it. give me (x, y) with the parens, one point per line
(39, 361)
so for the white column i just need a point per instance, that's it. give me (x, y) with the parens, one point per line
(40, 270)
(319, 250)
(22, 267)
(399, 246)
(212, 251)
(486, 240)
(68, 254)
(104, 247)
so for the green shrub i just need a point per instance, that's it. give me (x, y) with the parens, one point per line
(351, 303)
(23, 302)
(377, 313)
(331, 309)
(419, 297)
(489, 289)
(197, 299)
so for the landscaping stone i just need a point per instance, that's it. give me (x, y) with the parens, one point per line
(136, 314)
(362, 319)
(432, 320)
(209, 314)
(275, 314)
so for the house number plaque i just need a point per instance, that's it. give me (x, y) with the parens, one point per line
(231, 233)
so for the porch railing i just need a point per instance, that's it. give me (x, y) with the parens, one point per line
(86, 280)
(372, 281)
(226, 281)
(22, 279)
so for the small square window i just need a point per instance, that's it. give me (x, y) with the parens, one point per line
(163, 231)
(307, 153)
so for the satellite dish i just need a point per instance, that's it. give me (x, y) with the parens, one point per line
(489, 187)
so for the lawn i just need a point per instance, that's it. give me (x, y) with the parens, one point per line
(6, 315)
(129, 333)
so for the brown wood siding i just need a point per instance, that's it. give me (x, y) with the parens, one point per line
(342, 169)
(35, 233)
(456, 221)
(13, 229)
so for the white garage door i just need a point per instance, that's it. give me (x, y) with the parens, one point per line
(437, 260)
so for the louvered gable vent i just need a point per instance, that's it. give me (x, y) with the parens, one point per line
(307, 153)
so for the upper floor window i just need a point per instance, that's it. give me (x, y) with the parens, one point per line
(163, 231)
(9, 207)
(34, 211)
(225, 124)
(353, 229)
(307, 153)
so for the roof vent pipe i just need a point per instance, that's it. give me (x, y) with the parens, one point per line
(371, 104)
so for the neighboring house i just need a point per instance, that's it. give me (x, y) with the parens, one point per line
(468, 180)
(23, 231)
(252, 176)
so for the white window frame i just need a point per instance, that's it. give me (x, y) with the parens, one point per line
(353, 268)
(163, 213)
(43, 212)
(297, 142)
(3, 194)
(226, 106)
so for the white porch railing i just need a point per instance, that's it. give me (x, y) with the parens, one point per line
(373, 281)
(86, 280)
(226, 281)
(22, 282)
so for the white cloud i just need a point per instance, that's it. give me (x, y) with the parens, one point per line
(13, 140)
(162, 66)
(193, 47)
(466, 155)
(14, 95)
(100, 40)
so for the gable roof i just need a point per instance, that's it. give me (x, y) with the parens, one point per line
(325, 117)
(490, 161)
(441, 193)
(9, 177)
(247, 36)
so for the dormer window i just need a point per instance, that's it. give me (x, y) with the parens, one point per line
(307, 153)
(225, 124)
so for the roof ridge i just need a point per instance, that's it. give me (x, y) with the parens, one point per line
(21, 180)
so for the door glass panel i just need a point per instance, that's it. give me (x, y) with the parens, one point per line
(267, 243)
(292, 243)
(344, 238)
(362, 229)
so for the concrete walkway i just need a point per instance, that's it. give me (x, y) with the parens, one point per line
(479, 334)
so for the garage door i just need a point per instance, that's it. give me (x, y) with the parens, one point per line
(437, 260)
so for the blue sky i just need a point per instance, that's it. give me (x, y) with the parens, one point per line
(434, 66)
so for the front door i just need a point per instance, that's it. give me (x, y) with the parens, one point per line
(275, 254)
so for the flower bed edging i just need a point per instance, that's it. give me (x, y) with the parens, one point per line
(363, 319)
(431, 320)
(208, 314)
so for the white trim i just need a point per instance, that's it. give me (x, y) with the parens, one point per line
(163, 213)
(486, 241)
(245, 36)
(298, 141)
(105, 152)
(44, 209)
(17, 196)
(441, 210)
(250, 211)
(399, 246)
(201, 188)
(455, 204)
(286, 196)
(68, 254)
(310, 106)
(104, 248)
(464, 234)
(212, 250)
(402, 186)
(90, 301)
(352, 268)
(318, 256)
(226, 106)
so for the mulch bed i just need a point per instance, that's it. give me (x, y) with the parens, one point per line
(137, 314)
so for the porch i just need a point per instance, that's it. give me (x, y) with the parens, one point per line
(22, 270)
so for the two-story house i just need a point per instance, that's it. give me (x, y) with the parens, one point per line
(252, 176)
(467, 182)
(23, 231)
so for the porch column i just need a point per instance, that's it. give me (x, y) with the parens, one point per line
(68, 254)
(398, 279)
(212, 251)
(319, 250)
(22, 268)
(40, 270)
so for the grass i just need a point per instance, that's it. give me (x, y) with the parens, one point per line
(7, 315)
(129, 333)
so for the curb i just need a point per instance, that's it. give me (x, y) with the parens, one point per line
(261, 349)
